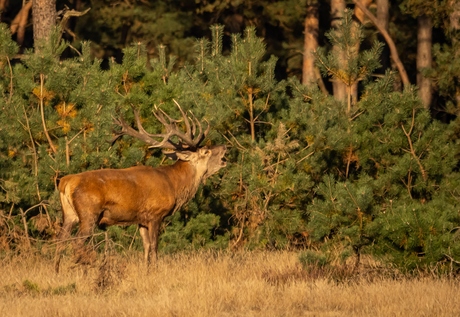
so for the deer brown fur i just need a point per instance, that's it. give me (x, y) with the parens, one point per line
(139, 195)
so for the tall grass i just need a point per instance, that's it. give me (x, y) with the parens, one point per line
(211, 284)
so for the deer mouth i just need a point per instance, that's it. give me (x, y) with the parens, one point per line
(223, 160)
(219, 152)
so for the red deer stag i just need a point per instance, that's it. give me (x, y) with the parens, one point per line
(140, 195)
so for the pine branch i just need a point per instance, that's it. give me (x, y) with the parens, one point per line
(256, 118)
(306, 156)
(32, 141)
(11, 79)
(251, 110)
(411, 146)
(45, 130)
(217, 32)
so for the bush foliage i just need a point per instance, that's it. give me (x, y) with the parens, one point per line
(305, 170)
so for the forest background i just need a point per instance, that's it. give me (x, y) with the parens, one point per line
(341, 117)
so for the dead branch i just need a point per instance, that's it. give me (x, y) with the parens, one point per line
(65, 18)
(24, 221)
(411, 146)
(20, 21)
(389, 40)
(32, 141)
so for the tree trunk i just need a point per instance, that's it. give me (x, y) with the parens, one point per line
(454, 15)
(455, 29)
(337, 9)
(309, 74)
(424, 58)
(44, 19)
(383, 16)
(2, 6)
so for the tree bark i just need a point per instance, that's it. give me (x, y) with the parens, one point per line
(3, 4)
(383, 16)
(424, 58)
(455, 29)
(44, 19)
(352, 94)
(361, 16)
(309, 74)
(337, 9)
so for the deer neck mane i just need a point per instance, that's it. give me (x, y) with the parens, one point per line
(187, 180)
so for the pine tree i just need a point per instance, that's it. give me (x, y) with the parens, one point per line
(346, 64)
(388, 168)
(238, 94)
(304, 169)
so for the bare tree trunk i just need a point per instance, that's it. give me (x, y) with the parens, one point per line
(455, 29)
(44, 18)
(424, 58)
(352, 53)
(383, 16)
(359, 14)
(3, 4)
(309, 74)
(337, 9)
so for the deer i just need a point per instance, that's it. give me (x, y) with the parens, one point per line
(140, 195)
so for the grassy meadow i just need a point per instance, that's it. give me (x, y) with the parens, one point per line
(211, 284)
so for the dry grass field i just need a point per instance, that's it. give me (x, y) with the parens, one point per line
(210, 284)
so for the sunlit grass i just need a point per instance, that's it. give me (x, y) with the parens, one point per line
(211, 284)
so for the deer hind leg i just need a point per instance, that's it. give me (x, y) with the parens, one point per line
(69, 219)
(84, 254)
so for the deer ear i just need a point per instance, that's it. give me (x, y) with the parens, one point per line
(184, 155)
(205, 152)
(171, 155)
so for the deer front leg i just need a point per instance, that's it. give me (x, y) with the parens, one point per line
(144, 232)
(149, 236)
(154, 233)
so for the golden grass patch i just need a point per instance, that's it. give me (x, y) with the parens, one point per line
(210, 284)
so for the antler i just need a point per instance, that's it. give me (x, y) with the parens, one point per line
(187, 140)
